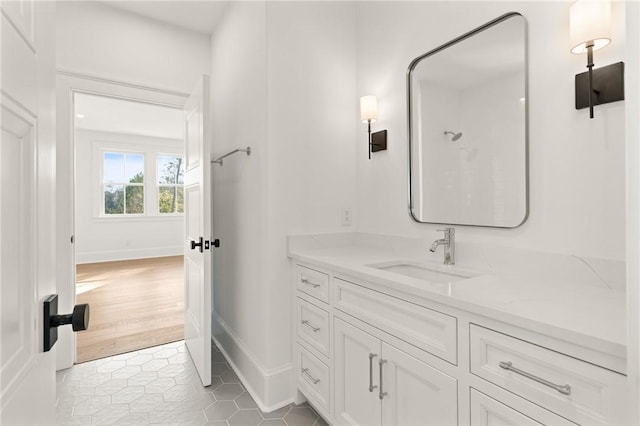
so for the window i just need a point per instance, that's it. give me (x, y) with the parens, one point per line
(123, 183)
(170, 184)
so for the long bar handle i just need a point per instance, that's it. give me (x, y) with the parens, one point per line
(305, 322)
(371, 385)
(563, 389)
(380, 393)
(309, 283)
(313, 379)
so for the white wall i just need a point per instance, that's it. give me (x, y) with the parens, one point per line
(100, 40)
(103, 239)
(577, 177)
(311, 106)
(238, 85)
(284, 83)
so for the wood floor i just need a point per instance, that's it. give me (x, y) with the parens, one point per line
(134, 304)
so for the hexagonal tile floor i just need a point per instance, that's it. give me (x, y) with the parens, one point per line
(159, 385)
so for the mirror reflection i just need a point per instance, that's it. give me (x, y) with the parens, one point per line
(468, 128)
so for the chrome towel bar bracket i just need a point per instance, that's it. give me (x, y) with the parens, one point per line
(219, 159)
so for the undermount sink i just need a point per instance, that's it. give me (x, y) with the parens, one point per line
(420, 271)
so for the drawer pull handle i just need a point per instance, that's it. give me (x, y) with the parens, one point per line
(305, 371)
(309, 283)
(305, 322)
(563, 389)
(371, 385)
(381, 394)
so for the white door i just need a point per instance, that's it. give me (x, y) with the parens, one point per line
(416, 393)
(197, 259)
(356, 390)
(27, 227)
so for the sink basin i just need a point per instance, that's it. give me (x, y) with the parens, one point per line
(423, 272)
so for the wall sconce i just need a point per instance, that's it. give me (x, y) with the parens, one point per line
(589, 24)
(369, 114)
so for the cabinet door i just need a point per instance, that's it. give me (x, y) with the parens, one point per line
(355, 404)
(416, 393)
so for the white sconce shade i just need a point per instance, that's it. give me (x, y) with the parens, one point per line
(589, 24)
(368, 108)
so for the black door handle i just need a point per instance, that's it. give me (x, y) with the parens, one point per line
(204, 245)
(79, 320)
(194, 245)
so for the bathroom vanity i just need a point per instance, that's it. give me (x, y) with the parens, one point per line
(383, 336)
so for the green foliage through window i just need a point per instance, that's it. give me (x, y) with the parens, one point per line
(170, 184)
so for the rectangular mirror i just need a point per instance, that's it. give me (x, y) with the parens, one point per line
(467, 117)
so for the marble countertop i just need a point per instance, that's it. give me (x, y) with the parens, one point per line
(588, 315)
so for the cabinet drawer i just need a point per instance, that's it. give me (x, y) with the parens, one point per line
(313, 377)
(574, 389)
(312, 282)
(425, 328)
(486, 411)
(313, 325)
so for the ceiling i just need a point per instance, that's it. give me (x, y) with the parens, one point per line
(200, 16)
(106, 114)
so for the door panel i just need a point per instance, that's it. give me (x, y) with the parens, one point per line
(197, 314)
(416, 393)
(354, 403)
(17, 164)
(27, 201)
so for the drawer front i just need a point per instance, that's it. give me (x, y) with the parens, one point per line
(312, 282)
(313, 325)
(574, 389)
(427, 329)
(486, 411)
(313, 378)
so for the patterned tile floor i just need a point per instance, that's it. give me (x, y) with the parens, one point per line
(159, 385)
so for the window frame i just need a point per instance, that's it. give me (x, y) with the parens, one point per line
(151, 148)
(159, 185)
(103, 184)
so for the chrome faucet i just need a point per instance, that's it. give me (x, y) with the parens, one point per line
(449, 243)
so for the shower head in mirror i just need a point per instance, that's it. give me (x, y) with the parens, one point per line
(455, 136)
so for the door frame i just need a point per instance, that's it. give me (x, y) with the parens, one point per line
(67, 85)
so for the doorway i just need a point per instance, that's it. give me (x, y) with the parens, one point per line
(128, 223)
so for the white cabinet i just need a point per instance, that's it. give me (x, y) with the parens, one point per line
(356, 357)
(379, 384)
(370, 355)
(312, 337)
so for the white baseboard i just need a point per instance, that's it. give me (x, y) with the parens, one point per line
(127, 254)
(270, 388)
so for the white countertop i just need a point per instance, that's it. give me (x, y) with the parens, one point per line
(566, 309)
